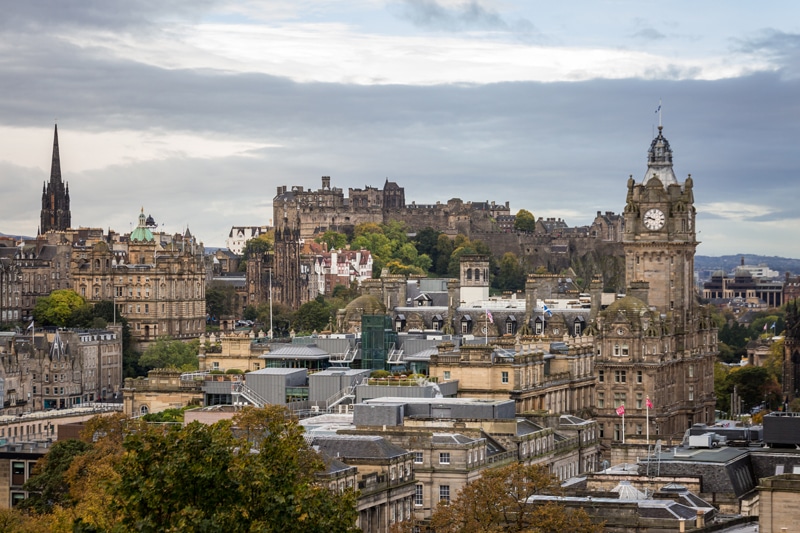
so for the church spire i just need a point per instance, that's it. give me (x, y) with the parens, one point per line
(55, 213)
(55, 167)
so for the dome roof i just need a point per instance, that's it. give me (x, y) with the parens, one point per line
(141, 233)
(629, 305)
(364, 305)
(659, 161)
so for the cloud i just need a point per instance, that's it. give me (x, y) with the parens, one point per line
(469, 15)
(649, 34)
(782, 47)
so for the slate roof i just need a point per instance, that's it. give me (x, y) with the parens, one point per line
(451, 438)
(296, 351)
(358, 447)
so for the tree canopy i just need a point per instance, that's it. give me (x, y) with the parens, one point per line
(127, 475)
(524, 221)
(59, 308)
(170, 353)
(508, 488)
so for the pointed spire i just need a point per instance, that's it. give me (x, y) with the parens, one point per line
(55, 168)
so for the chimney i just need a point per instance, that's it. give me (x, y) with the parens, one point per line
(326, 182)
(701, 519)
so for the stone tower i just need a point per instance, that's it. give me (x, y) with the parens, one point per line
(656, 342)
(289, 281)
(791, 352)
(55, 214)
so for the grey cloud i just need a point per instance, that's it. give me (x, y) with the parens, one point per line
(781, 46)
(544, 147)
(649, 34)
(52, 16)
(469, 15)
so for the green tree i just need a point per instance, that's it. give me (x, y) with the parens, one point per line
(444, 249)
(196, 478)
(524, 221)
(258, 245)
(170, 353)
(220, 300)
(752, 385)
(282, 318)
(47, 487)
(313, 316)
(58, 308)
(511, 275)
(333, 239)
(508, 488)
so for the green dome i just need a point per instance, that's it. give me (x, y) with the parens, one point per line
(142, 233)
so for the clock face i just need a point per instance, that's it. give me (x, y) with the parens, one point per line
(654, 219)
(620, 331)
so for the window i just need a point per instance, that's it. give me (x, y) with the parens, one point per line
(504, 376)
(418, 458)
(17, 497)
(444, 493)
(418, 496)
(617, 432)
(601, 400)
(639, 376)
(639, 401)
(620, 398)
(691, 392)
(601, 376)
(17, 473)
(444, 458)
(691, 371)
(447, 375)
(625, 350)
(620, 376)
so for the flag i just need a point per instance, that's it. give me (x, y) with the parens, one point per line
(773, 325)
(30, 326)
(658, 108)
(765, 326)
(621, 410)
(547, 311)
(489, 316)
(649, 403)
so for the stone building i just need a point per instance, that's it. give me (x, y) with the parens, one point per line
(59, 369)
(161, 389)
(657, 341)
(327, 208)
(791, 352)
(157, 281)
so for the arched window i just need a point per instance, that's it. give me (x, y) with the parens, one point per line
(469, 273)
(143, 410)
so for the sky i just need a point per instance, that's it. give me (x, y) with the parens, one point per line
(197, 110)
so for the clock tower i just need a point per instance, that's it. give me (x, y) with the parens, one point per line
(656, 346)
(660, 238)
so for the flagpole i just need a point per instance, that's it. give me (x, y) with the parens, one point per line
(623, 423)
(647, 404)
(486, 331)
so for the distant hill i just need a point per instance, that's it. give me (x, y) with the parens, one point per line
(729, 262)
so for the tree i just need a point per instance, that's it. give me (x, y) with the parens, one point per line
(313, 316)
(169, 353)
(58, 308)
(220, 300)
(508, 488)
(258, 245)
(524, 221)
(47, 487)
(333, 239)
(752, 385)
(282, 318)
(201, 478)
(511, 275)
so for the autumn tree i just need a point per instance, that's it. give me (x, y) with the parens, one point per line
(524, 221)
(509, 489)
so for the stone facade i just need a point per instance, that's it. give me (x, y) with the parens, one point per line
(161, 389)
(656, 344)
(779, 503)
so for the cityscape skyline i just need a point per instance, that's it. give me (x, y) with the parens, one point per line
(198, 111)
